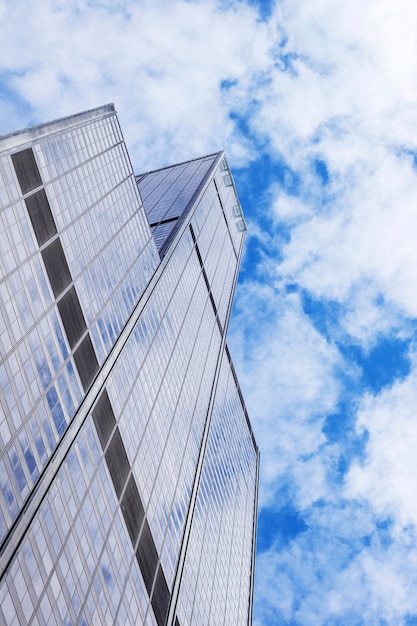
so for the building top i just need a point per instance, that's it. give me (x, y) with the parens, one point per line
(26, 135)
(167, 194)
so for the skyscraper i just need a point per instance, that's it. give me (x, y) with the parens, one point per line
(128, 465)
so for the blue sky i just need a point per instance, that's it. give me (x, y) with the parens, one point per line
(314, 102)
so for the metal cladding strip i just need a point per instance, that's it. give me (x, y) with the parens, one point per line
(168, 221)
(239, 391)
(172, 619)
(224, 215)
(254, 533)
(40, 490)
(206, 280)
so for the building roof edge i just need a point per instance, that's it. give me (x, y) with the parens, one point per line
(27, 135)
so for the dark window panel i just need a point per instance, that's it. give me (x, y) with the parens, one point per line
(200, 258)
(147, 556)
(72, 316)
(213, 304)
(104, 419)
(41, 216)
(57, 267)
(160, 598)
(192, 233)
(26, 169)
(86, 362)
(168, 221)
(117, 462)
(132, 509)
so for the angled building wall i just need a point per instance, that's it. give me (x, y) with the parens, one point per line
(127, 460)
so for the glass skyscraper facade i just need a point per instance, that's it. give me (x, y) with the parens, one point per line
(128, 466)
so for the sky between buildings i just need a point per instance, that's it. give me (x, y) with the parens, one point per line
(315, 103)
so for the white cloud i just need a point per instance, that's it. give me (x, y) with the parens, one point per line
(348, 99)
(368, 234)
(287, 371)
(387, 479)
(160, 62)
(288, 208)
(341, 571)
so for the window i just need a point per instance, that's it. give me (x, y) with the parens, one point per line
(237, 210)
(26, 170)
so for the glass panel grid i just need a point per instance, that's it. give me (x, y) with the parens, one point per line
(95, 203)
(215, 584)
(79, 561)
